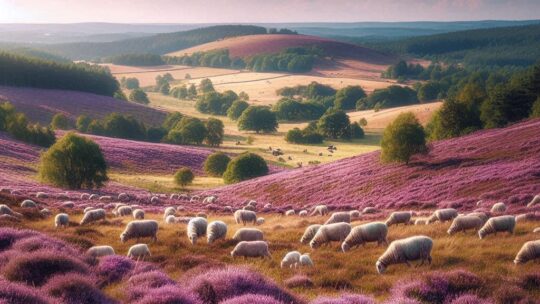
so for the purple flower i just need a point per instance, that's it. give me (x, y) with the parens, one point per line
(75, 289)
(113, 268)
(345, 299)
(20, 293)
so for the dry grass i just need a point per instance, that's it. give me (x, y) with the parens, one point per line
(163, 183)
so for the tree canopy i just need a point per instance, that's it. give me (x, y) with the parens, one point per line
(403, 138)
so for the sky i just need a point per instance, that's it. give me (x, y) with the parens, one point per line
(264, 11)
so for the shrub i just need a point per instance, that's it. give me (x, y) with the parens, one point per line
(168, 294)
(451, 120)
(74, 161)
(8, 236)
(216, 164)
(120, 126)
(236, 109)
(130, 83)
(403, 138)
(156, 134)
(19, 293)
(258, 118)
(356, 131)
(139, 96)
(251, 299)
(345, 299)
(347, 97)
(193, 130)
(165, 88)
(75, 288)
(206, 86)
(113, 268)
(298, 281)
(215, 132)
(334, 124)
(306, 136)
(7, 110)
(183, 177)
(60, 122)
(150, 279)
(17, 125)
(392, 96)
(215, 103)
(82, 124)
(291, 109)
(245, 166)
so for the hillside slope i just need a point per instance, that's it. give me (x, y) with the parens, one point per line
(499, 164)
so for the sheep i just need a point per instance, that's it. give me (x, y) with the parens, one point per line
(174, 196)
(248, 234)
(85, 196)
(524, 217)
(7, 217)
(138, 251)
(61, 220)
(44, 212)
(138, 214)
(464, 223)
(305, 260)
(105, 198)
(267, 206)
(228, 209)
(309, 233)
(93, 197)
(196, 228)
(483, 216)
(260, 221)
(171, 219)
(529, 251)
(169, 211)
(406, 250)
(336, 232)
(339, 217)
(249, 208)
(251, 249)
(123, 197)
(28, 204)
(370, 232)
(68, 204)
(64, 195)
(93, 216)
(209, 199)
(534, 201)
(498, 224)
(320, 210)
(289, 213)
(42, 195)
(88, 209)
(442, 215)
(399, 217)
(100, 251)
(291, 259)
(421, 221)
(245, 216)
(154, 200)
(536, 230)
(252, 203)
(123, 211)
(201, 214)
(4, 209)
(354, 214)
(216, 230)
(499, 207)
(303, 213)
(138, 229)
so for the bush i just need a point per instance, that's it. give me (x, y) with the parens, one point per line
(168, 294)
(130, 83)
(258, 118)
(306, 136)
(189, 131)
(215, 103)
(347, 97)
(183, 177)
(75, 288)
(451, 120)
(403, 138)
(113, 268)
(206, 86)
(245, 166)
(215, 132)
(139, 96)
(165, 88)
(60, 122)
(74, 161)
(156, 135)
(7, 110)
(82, 123)
(392, 96)
(236, 109)
(17, 125)
(172, 120)
(334, 124)
(291, 109)
(296, 281)
(120, 126)
(216, 164)
(356, 131)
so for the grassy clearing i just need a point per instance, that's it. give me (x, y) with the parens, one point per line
(163, 183)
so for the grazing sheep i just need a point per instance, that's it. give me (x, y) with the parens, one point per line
(105, 198)
(154, 200)
(289, 213)
(305, 260)
(169, 211)
(88, 209)
(123, 197)
(85, 196)
(268, 206)
(139, 229)
(93, 216)
(303, 213)
(320, 210)
(61, 220)
(42, 195)
(93, 197)
(171, 219)
(443, 215)
(535, 201)
(482, 215)
(369, 210)
(354, 214)
(399, 217)
(406, 250)
(123, 211)
(464, 223)
(209, 199)
(499, 207)
(228, 209)
(498, 224)
(196, 228)
(309, 233)
(201, 214)
(260, 221)
(536, 230)
(138, 251)
(174, 196)
(100, 251)
(249, 208)
(529, 251)
(339, 217)
(370, 232)
(4, 209)
(138, 214)
(44, 212)
(68, 204)
(28, 204)
(291, 259)
(245, 216)
(216, 230)
(421, 221)
(252, 203)
(336, 232)
(64, 195)
(248, 234)
(7, 217)
(251, 249)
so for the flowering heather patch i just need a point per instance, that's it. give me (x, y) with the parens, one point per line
(113, 268)
(169, 294)
(469, 299)
(19, 293)
(251, 299)
(75, 288)
(345, 299)
(498, 164)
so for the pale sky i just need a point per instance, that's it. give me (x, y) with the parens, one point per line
(246, 11)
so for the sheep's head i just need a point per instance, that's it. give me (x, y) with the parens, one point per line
(481, 234)
(193, 239)
(233, 253)
(314, 245)
(380, 267)
(345, 247)
(123, 237)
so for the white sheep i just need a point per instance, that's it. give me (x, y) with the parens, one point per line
(123, 197)
(123, 211)
(216, 230)
(370, 232)
(245, 216)
(138, 251)
(499, 207)
(354, 214)
(524, 217)
(336, 232)
(28, 204)
(529, 251)
(93, 197)
(68, 204)
(61, 220)
(305, 260)
(251, 249)
(482, 215)
(320, 210)
(268, 206)
(155, 200)
(42, 195)
(64, 195)
(536, 230)
(139, 229)
(260, 221)
(291, 259)
(93, 216)
(421, 221)
(88, 209)
(535, 201)
(443, 215)
(174, 196)
(7, 217)
(252, 203)
(44, 212)
(169, 211)
(464, 223)
(105, 198)
(196, 228)
(399, 217)
(85, 196)
(248, 234)
(100, 251)
(249, 208)
(289, 212)
(138, 214)
(498, 224)
(309, 233)
(4, 209)
(303, 213)
(369, 210)
(339, 217)
(406, 250)
(210, 199)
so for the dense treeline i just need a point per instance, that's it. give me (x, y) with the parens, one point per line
(136, 59)
(392, 96)
(17, 125)
(33, 53)
(293, 60)
(18, 70)
(215, 59)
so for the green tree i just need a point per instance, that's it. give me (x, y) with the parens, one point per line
(74, 161)
(243, 167)
(7, 110)
(192, 130)
(451, 120)
(60, 122)
(172, 120)
(243, 96)
(258, 118)
(96, 127)
(363, 122)
(206, 86)
(183, 177)
(347, 97)
(236, 109)
(192, 91)
(82, 123)
(403, 138)
(165, 88)
(356, 131)
(120, 126)
(535, 111)
(131, 83)
(216, 164)
(139, 96)
(156, 134)
(334, 124)
(428, 91)
(215, 132)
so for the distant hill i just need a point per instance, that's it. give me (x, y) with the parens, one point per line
(156, 44)
(490, 165)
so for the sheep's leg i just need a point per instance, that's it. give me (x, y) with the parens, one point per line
(429, 260)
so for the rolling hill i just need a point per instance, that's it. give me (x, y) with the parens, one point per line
(490, 165)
